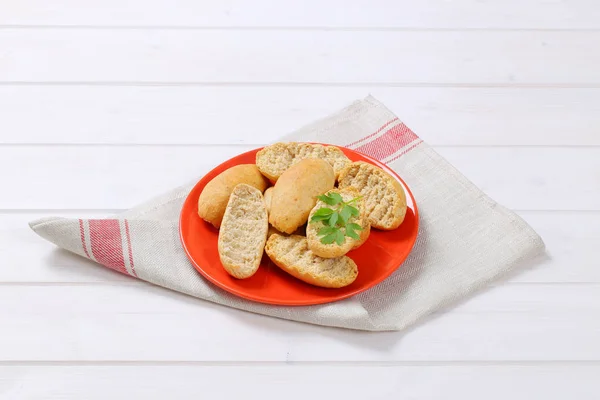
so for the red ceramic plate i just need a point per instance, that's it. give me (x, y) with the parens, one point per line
(377, 258)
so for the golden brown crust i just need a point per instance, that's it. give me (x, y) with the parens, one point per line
(295, 193)
(292, 255)
(301, 231)
(364, 234)
(267, 195)
(272, 231)
(215, 195)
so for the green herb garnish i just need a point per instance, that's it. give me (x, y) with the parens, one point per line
(336, 219)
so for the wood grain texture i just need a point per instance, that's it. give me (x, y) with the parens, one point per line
(469, 14)
(101, 177)
(452, 57)
(225, 115)
(147, 323)
(571, 239)
(550, 382)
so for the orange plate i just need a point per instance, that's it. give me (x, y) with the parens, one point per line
(377, 258)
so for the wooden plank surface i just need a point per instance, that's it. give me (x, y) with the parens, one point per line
(101, 177)
(105, 104)
(224, 115)
(298, 382)
(147, 323)
(463, 14)
(332, 57)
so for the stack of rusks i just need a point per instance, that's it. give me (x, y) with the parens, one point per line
(284, 206)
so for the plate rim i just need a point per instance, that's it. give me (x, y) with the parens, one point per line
(350, 294)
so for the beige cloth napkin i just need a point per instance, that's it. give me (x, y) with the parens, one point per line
(466, 240)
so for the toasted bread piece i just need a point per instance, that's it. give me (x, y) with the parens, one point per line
(267, 196)
(243, 232)
(385, 199)
(275, 159)
(273, 231)
(215, 195)
(334, 250)
(291, 253)
(336, 157)
(295, 193)
(300, 231)
(364, 235)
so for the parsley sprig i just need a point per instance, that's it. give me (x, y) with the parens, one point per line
(336, 219)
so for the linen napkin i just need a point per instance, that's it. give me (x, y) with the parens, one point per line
(466, 240)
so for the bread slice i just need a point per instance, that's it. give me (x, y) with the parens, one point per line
(243, 232)
(291, 254)
(273, 160)
(215, 195)
(334, 250)
(385, 200)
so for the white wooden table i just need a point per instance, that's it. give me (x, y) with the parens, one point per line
(106, 103)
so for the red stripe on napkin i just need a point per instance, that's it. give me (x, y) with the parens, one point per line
(107, 248)
(405, 151)
(389, 143)
(372, 134)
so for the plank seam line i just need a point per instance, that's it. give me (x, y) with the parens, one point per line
(474, 85)
(186, 145)
(135, 282)
(154, 363)
(299, 28)
(119, 210)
